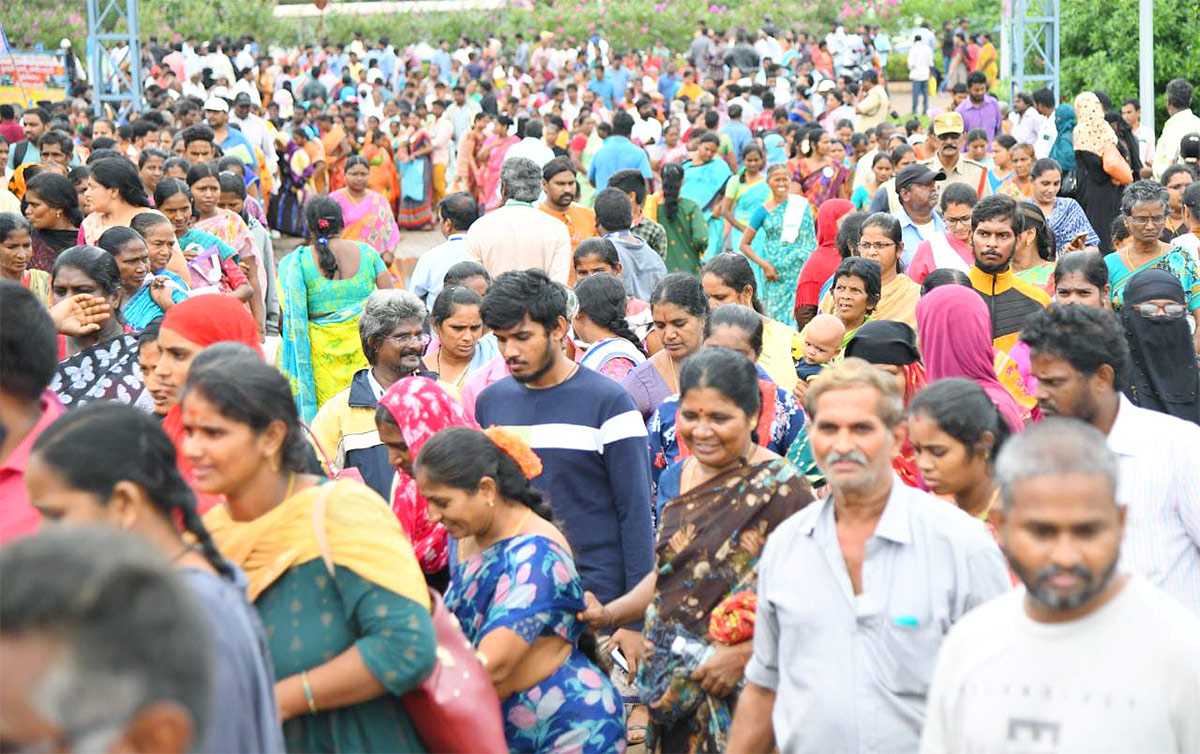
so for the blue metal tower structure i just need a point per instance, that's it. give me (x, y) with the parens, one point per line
(112, 23)
(1034, 45)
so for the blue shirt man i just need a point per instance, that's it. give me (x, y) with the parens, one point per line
(602, 88)
(737, 131)
(618, 153)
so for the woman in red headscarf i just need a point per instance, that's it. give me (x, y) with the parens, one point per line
(413, 410)
(824, 260)
(187, 329)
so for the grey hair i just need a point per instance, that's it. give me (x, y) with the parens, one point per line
(129, 631)
(1054, 447)
(383, 312)
(521, 179)
(1144, 192)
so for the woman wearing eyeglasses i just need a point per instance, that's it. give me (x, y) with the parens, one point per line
(1164, 375)
(1145, 206)
(881, 240)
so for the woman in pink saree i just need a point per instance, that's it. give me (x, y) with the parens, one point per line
(490, 158)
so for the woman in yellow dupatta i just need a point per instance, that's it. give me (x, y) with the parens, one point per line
(881, 239)
(334, 580)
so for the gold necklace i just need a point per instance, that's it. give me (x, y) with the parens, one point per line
(462, 376)
(521, 523)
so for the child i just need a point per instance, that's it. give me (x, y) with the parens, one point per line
(822, 342)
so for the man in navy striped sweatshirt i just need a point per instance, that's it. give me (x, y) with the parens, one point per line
(585, 428)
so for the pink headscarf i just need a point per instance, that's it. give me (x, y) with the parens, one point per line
(956, 341)
(421, 409)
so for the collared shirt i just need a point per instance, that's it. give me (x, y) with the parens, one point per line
(985, 115)
(965, 171)
(17, 516)
(1177, 126)
(1159, 482)
(531, 148)
(519, 237)
(580, 221)
(617, 153)
(1027, 127)
(1046, 136)
(427, 276)
(914, 234)
(851, 672)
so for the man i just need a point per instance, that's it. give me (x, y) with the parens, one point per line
(442, 139)
(198, 144)
(920, 67)
(981, 110)
(1028, 121)
(105, 647)
(857, 591)
(951, 248)
(1043, 102)
(602, 87)
(641, 266)
(456, 213)
(394, 331)
(738, 133)
(634, 186)
(647, 129)
(1081, 360)
(700, 48)
(1085, 658)
(524, 50)
(56, 148)
(996, 221)
(10, 128)
(517, 236)
(532, 147)
(1182, 121)
(916, 188)
(560, 189)
(1131, 113)
(462, 113)
(34, 123)
(948, 130)
(873, 107)
(232, 142)
(28, 360)
(584, 427)
(618, 152)
(254, 129)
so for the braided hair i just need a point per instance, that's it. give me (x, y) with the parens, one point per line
(602, 299)
(672, 182)
(93, 448)
(325, 222)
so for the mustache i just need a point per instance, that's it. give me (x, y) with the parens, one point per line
(1047, 573)
(853, 456)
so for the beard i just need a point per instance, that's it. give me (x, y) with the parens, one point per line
(547, 365)
(1036, 586)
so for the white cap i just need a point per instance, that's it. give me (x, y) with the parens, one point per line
(217, 104)
(826, 85)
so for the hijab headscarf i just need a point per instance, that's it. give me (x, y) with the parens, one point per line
(421, 408)
(1063, 149)
(824, 261)
(1092, 133)
(956, 340)
(1165, 376)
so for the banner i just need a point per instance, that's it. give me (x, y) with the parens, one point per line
(29, 77)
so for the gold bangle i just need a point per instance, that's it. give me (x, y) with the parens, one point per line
(308, 693)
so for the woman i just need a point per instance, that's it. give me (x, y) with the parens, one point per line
(114, 195)
(832, 217)
(855, 290)
(955, 329)
(815, 176)
(682, 219)
(988, 60)
(719, 506)
(150, 168)
(1019, 185)
(704, 178)
(461, 347)
(414, 161)
(671, 150)
(1145, 206)
(412, 411)
(679, 308)
(959, 64)
(780, 426)
(16, 250)
(745, 192)
(52, 207)
(516, 593)
(130, 482)
(957, 433)
(1164, 376)
(1002, 165)
(1069, 226)
(489, 158)
(101, 365)
(212, 264)
(612, 348)
(333, 578)
(1033, 257)
(466, 169)
(882, 170)
(727, 279)
(146, 296)
(382, 175)
(1062, 150)
(323, 285)
(1100, 170)
(892, 347)
(789, 236)
(881, 239)
(365, 213)
(1081, 277)
(598, 256)
(205, 184)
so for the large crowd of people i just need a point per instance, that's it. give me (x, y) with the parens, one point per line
(734, 411)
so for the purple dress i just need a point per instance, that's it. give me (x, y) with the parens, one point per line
(647, 387)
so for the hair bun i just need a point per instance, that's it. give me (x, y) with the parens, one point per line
(516, 449)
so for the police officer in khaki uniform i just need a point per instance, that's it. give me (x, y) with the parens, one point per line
(948, 131)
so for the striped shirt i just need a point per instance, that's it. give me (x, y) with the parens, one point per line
(1159, 481)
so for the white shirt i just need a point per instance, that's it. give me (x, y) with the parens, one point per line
(1159, 482)
(518, 236)
(429, 274)
(1046, 137)
(920, 61)
(648, 130)
(1121, 680)
(248, 88)
(1145, 138)
(1177, 126)
(1027, 126)
(532, 149)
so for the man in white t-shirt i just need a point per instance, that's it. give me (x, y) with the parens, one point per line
(1084, 659)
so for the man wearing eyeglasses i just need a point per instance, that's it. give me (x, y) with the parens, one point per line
(948, 130)
(916, 188)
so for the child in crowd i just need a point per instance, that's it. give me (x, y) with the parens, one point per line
(822, 342)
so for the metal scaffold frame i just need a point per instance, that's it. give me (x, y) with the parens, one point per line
(1034, 40)
(110, 24)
